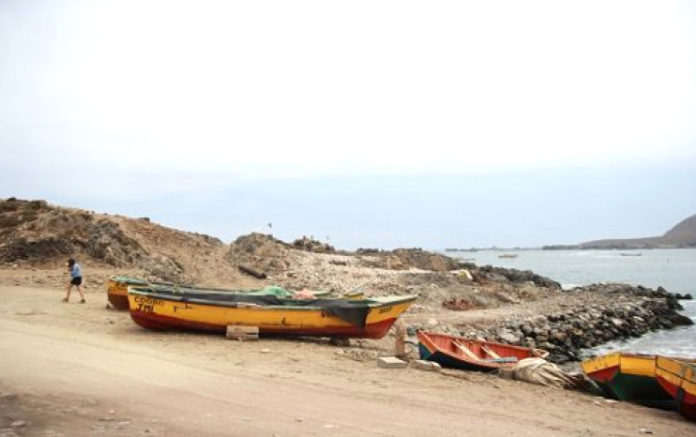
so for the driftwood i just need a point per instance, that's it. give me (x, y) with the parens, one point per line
(251, 271)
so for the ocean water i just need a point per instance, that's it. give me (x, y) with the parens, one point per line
(673, 269)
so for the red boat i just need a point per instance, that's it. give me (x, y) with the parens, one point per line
(465, 353)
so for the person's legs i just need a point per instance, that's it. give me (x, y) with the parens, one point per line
(82, 296)
(67, 293)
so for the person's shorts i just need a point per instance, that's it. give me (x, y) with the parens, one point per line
(76, 281)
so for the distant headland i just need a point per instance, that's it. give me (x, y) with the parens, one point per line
(682, 235)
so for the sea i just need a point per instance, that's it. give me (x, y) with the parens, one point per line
(673, 269)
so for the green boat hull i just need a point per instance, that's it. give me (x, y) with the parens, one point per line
(640, 389)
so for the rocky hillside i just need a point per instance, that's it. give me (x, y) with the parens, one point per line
(38, 234)
(442, 283)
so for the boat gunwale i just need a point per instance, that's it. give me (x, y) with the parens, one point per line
(651, 357)
(128, 281)
(456, 337)
(371, 303)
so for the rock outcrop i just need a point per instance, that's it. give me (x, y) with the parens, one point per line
(311, 245)
(36, 232)
(261, 252)
(487, 274)
(404, 259)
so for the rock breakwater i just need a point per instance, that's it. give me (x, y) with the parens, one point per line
(565, 333)
(597, 314)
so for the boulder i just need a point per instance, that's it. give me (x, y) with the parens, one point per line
(507, 336)
(430, 366)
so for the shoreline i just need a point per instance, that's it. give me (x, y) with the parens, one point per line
(669, 268)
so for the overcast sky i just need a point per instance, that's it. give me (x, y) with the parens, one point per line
(370, 123)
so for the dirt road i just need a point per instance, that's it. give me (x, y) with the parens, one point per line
(80, 370)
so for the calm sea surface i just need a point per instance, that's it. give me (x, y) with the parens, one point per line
(673, 269)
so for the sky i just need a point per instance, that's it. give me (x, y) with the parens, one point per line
(364, 123)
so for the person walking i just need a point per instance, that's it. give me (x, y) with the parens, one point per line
(75, 279)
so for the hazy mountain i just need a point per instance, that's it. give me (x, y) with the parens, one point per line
(681, 235)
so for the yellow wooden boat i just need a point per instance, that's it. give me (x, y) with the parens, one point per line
(627, 377)
(324, 317)
(678, 378)
(117, 290)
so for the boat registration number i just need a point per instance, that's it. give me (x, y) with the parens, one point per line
(147, 304)
(385, 310)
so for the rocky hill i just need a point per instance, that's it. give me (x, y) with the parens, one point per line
(35, 233)
(39, 235)
(681, 235)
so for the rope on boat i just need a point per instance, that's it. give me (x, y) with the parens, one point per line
(539, 371)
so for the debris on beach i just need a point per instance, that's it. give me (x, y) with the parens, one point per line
(391, 363)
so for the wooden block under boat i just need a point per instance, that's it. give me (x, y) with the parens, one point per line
(243, 333)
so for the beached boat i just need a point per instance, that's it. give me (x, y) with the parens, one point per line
(273, 315)
(117, 290)
(628, 377)
(678, 378)
(465, 353)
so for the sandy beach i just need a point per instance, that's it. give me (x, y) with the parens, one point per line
(82, 370)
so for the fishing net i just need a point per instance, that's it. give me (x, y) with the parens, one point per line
(539, 371)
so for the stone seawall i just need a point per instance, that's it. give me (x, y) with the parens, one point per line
(564, 334)
(632, 312)
(608, 312)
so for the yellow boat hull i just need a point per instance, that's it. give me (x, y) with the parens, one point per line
(628, 377)
(117, 290)
(678, 378)
(159, 312)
